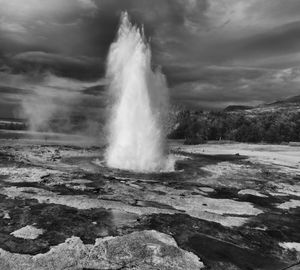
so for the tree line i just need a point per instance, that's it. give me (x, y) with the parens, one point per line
(271, 126)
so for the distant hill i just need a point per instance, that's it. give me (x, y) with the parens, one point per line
(288, 104)
(233, 108)
(293, 100)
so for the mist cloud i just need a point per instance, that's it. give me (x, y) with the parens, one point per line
(51, 103)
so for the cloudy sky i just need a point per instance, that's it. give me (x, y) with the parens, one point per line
(213, 52)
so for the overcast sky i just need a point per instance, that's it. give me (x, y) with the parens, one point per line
(213, 52)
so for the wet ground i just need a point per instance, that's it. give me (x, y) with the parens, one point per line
(225, 207)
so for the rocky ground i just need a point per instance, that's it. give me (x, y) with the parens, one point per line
(234, 206)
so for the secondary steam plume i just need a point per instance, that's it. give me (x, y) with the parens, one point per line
(140, 101)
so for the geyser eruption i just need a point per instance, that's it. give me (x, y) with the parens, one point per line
(140, 103)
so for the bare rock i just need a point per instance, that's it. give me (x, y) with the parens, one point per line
(139, 250)
(28, 232)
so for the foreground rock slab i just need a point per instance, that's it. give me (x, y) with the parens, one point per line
(138, 250)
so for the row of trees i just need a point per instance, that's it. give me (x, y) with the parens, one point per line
(13, 125)
(271, 127)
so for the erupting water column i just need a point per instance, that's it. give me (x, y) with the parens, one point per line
(140, 100)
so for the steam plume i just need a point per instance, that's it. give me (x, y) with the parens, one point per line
(140, 101)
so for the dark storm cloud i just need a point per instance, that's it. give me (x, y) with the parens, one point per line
(213, 52)
(280, 40)
(250, 87)
(83, 68)
(211, 74)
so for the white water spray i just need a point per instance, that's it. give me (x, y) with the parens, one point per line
(140, 102)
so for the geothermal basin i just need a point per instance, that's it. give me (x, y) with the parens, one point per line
(217, 209)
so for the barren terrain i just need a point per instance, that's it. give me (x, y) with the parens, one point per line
(231, 206)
